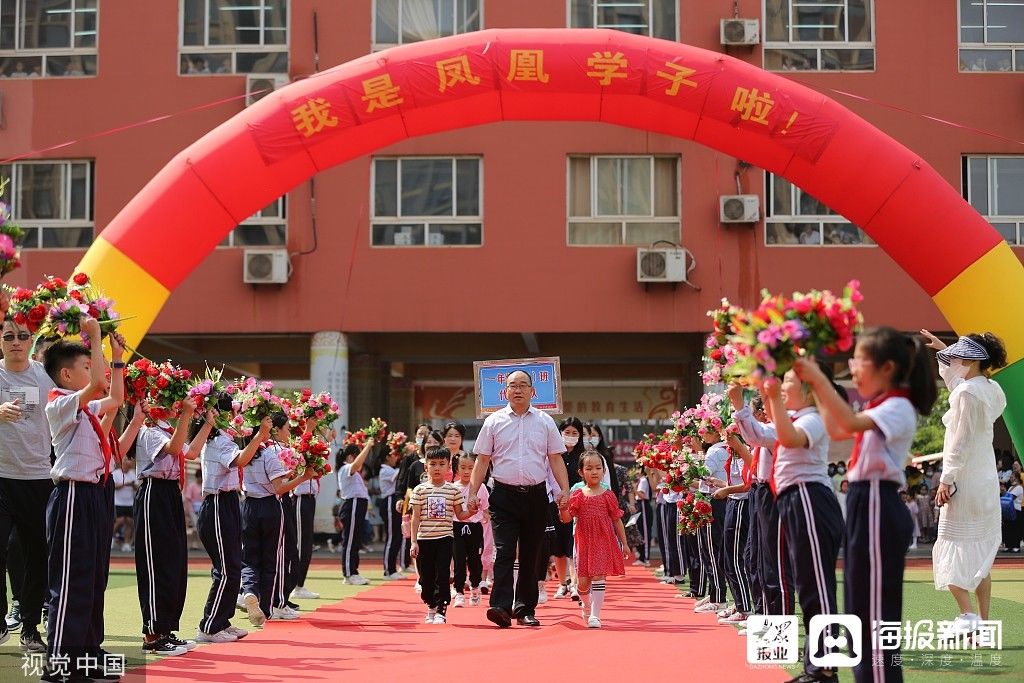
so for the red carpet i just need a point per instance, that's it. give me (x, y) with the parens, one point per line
(648, 635)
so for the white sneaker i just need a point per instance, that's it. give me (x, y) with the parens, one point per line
(417, 587)
(397, 576)
(963, 625)
(303, 593)
(237, 632)
(126, 548)
(240, 601)
(283, 613)
(711, 607)
(252, 607)
(574, 594)
(703, 601)
(593, 622)
(726, 613)
(561, 592)
(431, 613)
(474, 597)
(459, 600)
(440, 619)
(542, 595)
(356, 580)
(484, 583)
(219, 637)
(734, 619)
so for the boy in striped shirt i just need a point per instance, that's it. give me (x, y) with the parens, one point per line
(434, 504)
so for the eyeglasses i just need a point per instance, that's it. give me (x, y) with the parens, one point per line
(22, 336)
(518, 386)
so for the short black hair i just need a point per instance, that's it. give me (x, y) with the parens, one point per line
(62, 354)
(278, 419)
(457, 426)
(529, 380)
(439, 453)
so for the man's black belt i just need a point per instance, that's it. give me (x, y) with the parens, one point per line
(520, 488)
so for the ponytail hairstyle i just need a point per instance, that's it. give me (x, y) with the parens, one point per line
(996, 351)
(913, 364)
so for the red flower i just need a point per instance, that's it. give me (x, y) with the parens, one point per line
(142, 364)
(37, 313)
(81, 279)
(20, 318)
(152, 371)
(161, 382)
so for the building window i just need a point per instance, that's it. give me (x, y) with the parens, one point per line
(655, 18)
(995, 187)
(48, 38)
(265, 228)
(795, 218)
(52, 202)
(819, 35)
(234, 36)
(422, 201)
(396, 22)
(623, 200)
(992, 35)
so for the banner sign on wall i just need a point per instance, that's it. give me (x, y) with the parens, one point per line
(489, 380)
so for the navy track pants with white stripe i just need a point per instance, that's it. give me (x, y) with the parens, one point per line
(813, 526)
(392, 532)
(305, 510)
(263, 550)
(220, 529)
(291, 547)
(874, 563)
(674, 560)
(79, 540)
(736, 528)
(773, 564)
(643, 525)
(353, 517)
(161, 554)
(712, 551)
(752, 551)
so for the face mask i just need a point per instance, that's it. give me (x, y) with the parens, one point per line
(570, 441)
(592, 441)
(841, 469)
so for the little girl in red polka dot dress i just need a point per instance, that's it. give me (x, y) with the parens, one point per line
(598, 523)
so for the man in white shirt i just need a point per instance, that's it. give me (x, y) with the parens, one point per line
(519, 441)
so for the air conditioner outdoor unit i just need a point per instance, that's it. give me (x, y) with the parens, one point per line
(254, 83)
(265, 266)
(740, 31)
(739, 208)
(661, 265)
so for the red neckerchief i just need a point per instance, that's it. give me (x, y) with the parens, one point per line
(96, 427)
(858, 438)
(748, 472)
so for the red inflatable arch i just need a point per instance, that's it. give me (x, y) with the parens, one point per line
(573, 75)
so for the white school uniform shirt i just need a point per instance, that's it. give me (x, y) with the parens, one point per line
(884, 450)
(259, 474)
(714, 459)
(216, 457)
(387, 479)
(151, 460)
(792, 465)
(310, 487)
(644, 486)
(519, 445)
(124, 496)
(25, 443)
(351, 484)
(736, 477)
(77, 449)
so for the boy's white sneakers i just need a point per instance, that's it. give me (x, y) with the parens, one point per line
(286, 613)
(356, 580)
(252, 608)
(431, 613)
(397, 576)
(459, 600)
(440, 619)
(474, 597)
(709, 607)
(237, 632)
(303, 593)
(219, 637)
(593, 622)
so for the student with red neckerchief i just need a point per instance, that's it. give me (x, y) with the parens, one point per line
(894, 370)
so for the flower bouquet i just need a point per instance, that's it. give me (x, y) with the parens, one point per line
(683, 472)
(396, 443)
(11, 237)
(655, 452)
(315, 453)
(83, 299)
(292, 461)
(694, 512)
(374, 431)
(253, 400)
(719, 355)
(30, 307)
(163, 386)
(206, 392)
(770, 338)
(307, 405)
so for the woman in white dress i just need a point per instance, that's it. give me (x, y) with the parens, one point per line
(968, 491)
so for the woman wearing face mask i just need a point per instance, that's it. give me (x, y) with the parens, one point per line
(968, 491)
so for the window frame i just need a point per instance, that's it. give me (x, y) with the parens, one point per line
(14, 192)
(234, 49)
(44, 53)
(818, 46)
(1016, 50)
(377, 47)
(402, 219)
(991, 192)
(773, 218)
(257, 220)
(623, 220)
(650, 12)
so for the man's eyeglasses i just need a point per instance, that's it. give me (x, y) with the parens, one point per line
(518, 386)
(22, 336)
